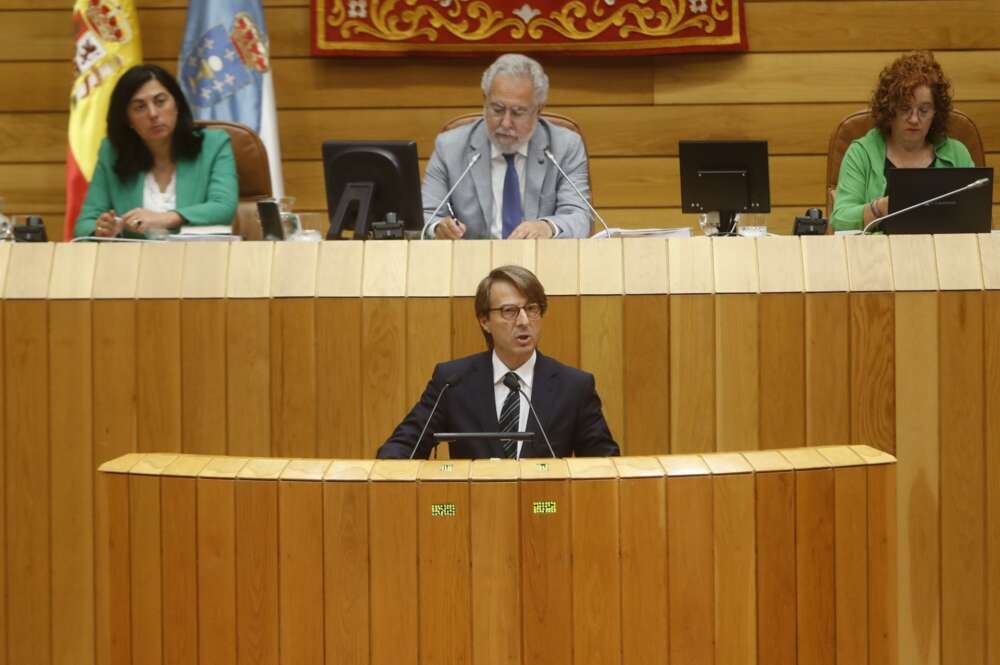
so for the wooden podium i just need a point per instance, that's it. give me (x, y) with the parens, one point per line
(765, 556)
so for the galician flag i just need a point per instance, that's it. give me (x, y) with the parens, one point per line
(107, 44)
(225, 71)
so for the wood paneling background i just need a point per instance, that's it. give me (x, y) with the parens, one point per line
(810, 63)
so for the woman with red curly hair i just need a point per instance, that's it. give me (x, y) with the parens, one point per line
(911, 105)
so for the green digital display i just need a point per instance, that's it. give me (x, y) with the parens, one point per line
(443, 510)
(543, 507)
(447, 467)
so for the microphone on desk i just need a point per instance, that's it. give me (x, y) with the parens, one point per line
(510, 380)
(447, 197)
(450, 381)
(552, 158)
(975, 184)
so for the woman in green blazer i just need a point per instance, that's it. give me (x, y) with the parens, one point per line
(155, 170)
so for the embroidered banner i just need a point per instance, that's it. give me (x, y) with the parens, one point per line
(472, 27)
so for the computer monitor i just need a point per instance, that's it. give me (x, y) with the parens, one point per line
(727, 177)
(368, 180)
(968, 211)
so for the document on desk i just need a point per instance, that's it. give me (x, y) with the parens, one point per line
(678, 232)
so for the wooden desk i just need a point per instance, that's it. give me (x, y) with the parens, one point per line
(779, 556)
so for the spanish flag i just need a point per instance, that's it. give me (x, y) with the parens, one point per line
(107, 44)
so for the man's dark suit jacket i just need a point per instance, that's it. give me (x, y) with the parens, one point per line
(564, 398)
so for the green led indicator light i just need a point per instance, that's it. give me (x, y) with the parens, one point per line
(543, 507)
(443, 510)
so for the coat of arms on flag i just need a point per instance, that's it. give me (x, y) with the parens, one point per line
(222, 61)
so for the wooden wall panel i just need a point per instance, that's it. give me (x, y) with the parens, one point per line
(782, 370)
(991, 360)
(562, 331)
(216, 571)
(346, 567)
(776, 586)
(882, 551)
(114, 336)
(158, 375)
(828, 405)
(179, 538)
(691, 569)
(851, 563)
(428, 322)
(3, 475)
(204, 344)
(27, 502)
(692, 374)
(293, 377)
(814, 547)
(734, 534)
(146, 569)
(114, 629)
(737, 372)
(339, 390)
(70, 419)
(383, 405)
(248, 377)
(872, 355)
(257, 572)
(300, 580)
(646, 364)
(601, 353)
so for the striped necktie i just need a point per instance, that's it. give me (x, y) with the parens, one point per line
(510, 416)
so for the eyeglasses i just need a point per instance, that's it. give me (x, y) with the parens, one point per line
(516, 112)
(923, 111)
(510, 312)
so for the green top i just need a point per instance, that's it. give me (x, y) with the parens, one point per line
(862, 175)
(207, 187)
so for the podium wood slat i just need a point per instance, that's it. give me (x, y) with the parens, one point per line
(146, 569)
(204, 345)
(257, 617)
(644, 589)
(737, 372)
(645, 263)
(217, 570)
(73, 268)
(158, 358)
(4, 264)
(384, 269)
(601, 271)
(914, 265)
(393, 560)
(117, 273)
(918, 441)
(70, 419)
(776, 588)
(383, 331)
(692, 373)
(646, 365)
(828, 377)
(339, 269)
(872, 353)
(248, 376)
(29, 271)
(734, 535)
(249, 270)
(512, 252)
(466, 335)
(690, 265)
(546, 572)
(963, 491)
(597, 620)
(815, 560)
(178, 528)
(868, 263)
(113, 602)
(206, 265)
(824, 259)
(160, 268)
(691, 569)
(293, 271)
(991, 363)
(470, 263)
(559, 267)
(561, 339)
(428, 343)
(958, 262)
(782, 370)
(735, 265)
(339, 378)
(850, 557)
(882, 553)
(293, 377)
(114, 362)
(300, 565)
(779, 263)
(601, 353)
(496, 570)
(445, 584)
(346, 568)
(989, 253)
(27, 483)
(429, 270)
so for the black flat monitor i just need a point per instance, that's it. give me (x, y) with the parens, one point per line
(727, 177)
(969, 211)
(366, 181)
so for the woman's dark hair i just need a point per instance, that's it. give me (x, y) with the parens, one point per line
(133, 155)
(895, 89)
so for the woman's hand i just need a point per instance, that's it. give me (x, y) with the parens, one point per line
(107, 225)
(140, 220)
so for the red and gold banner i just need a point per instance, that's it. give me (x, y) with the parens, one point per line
(474, 27)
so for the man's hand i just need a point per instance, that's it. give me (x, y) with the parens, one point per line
(536, 228)
(449, 228)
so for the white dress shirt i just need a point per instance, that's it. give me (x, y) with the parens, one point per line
(525, 375)
(155, 200)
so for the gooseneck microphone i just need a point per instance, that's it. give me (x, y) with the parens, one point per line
(450, 381)
(975, 184)
(552, 158)
(475, 158)
(510, 380)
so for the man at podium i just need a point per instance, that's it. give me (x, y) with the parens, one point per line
(490, 391)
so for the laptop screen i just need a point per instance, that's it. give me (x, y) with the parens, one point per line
(969, 211)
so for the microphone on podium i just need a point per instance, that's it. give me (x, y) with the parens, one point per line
(975, 184)
(450, 381)
(552, 158)
(444, 201)
(510, 380)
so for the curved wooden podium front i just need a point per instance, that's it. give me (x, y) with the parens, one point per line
(766, 556)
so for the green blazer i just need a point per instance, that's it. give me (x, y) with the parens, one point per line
(862, 175)
(207, 186)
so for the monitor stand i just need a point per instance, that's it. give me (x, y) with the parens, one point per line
(727, 222)
(357, 195)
